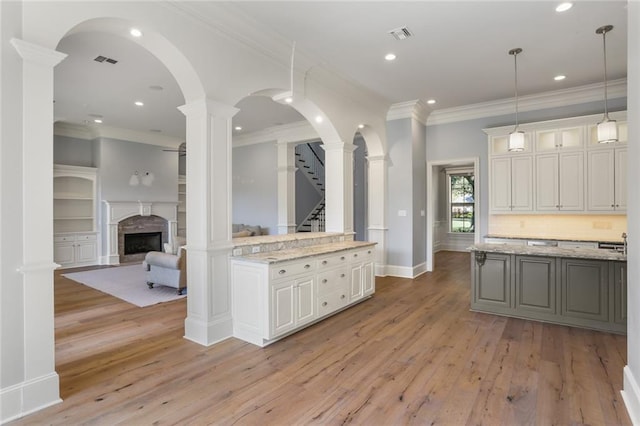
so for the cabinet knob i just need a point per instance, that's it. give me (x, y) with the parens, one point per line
(324, 303)
(341, 275)
(324, 262)
(355, 255)
(341, 257)
(343, 296)
(324, 281)
(612, 205)
(282, 271)
(307, 266)
(369, 252)
(617, 205)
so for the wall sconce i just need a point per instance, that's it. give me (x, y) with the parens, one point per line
(146, 179)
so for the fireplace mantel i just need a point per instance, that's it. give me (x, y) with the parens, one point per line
(117, 211)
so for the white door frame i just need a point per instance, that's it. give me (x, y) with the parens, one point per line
(431, 203)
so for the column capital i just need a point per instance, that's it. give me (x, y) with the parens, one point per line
(338, 146)
(375, 158)
(36, 54)
(208, 106)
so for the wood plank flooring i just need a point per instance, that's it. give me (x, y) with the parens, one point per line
(413, 354)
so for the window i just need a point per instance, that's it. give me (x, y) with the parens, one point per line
(461, 201)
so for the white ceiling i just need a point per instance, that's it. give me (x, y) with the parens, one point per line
(458, 56)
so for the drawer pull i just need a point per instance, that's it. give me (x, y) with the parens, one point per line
(324, 281)
(307, 266)
(341, 275)
(343, 296)
(282, 271)
(324, 303)
(324, 262)
(369, 251)
(341, 257)
(355, 255)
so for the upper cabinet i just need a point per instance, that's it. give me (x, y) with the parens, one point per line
(562, 168)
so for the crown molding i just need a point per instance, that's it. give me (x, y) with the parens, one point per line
(292, 132)
(553, 99)
(415, 109)
(90, 132)
(582, 120)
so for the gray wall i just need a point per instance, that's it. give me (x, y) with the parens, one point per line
(466, 139)
(255, 186)
(419, 192)
(400, 180)
(73, 152)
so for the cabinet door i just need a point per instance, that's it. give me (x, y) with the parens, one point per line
(368, 279)
(501, 184)
(536, 284)
(620, 293)
(547, 184)
(522, 183)
(355, 289)
(584, 289)
(491, 280)
(64, 253)
(620, 179)
(600, 180)
(282, 308)
(86, 251)
(571, 181)
(305, 297)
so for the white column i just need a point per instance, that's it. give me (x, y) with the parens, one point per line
(286, 188)
(208, 221)
(378, 166)
(40, 386)
(339, 187)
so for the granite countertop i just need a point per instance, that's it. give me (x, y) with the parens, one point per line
(266, 239)
(579, 253)
(504, 237)
(301, 252)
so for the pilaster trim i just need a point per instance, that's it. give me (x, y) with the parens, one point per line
(208, 106)
(415, 109)
(36, 54)
(338, 146)
(373, 158)
(631, 395)
(37, 267)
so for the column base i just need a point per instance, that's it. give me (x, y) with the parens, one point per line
(28, 397)
(631, 395)
(210, 333)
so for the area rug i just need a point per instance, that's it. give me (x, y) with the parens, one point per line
(127, 283)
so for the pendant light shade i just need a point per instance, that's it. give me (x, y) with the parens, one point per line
(516, 138)
(607, 128)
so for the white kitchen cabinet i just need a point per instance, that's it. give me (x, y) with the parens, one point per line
(607, 180)
(560, 139)
(272, 300)
(511, 179)
(560, 181)
(75, 249)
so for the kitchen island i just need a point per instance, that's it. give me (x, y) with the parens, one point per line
(296, 282)
(581, 287)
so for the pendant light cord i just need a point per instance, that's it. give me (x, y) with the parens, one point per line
(604, 50)
(515, 66)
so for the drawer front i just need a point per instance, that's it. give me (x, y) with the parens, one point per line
(86, 237)
(63, 238)
(331, 302)
(285, 270)
(333, 280)
(361, 255)
(333, 261)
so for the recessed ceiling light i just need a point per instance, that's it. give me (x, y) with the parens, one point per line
(390, 57)
(139, 103)
(431, 101)
(559, 77)
(135, 32)
(97, 120)
(238, 128)
(157, 88)
(360, 126)
(563, 7)
(288, 100)
(319, 119)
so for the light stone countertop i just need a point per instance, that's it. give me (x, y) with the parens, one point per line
(576, 253)
(301, 252)
(266, 239)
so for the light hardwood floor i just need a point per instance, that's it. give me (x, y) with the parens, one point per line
(412, 354)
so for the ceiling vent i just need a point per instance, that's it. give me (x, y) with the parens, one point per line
(105, 59)
(401, 33)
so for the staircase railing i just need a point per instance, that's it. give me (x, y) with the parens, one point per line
(315, 220)
(312, 166)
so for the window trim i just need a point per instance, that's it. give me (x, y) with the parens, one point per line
(458, 171)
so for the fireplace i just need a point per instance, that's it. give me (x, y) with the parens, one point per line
(142, 242)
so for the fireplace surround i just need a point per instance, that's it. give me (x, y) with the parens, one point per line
(129, 217)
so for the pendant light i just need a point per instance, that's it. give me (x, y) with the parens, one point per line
(516, 138)
(607, 128)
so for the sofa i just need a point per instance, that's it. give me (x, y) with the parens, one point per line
(168, 268)
(240, 230)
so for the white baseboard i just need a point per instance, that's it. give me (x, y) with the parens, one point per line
(406, 271)
(380, 270)
(28, 397)
(631, 395)
(210, 333)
